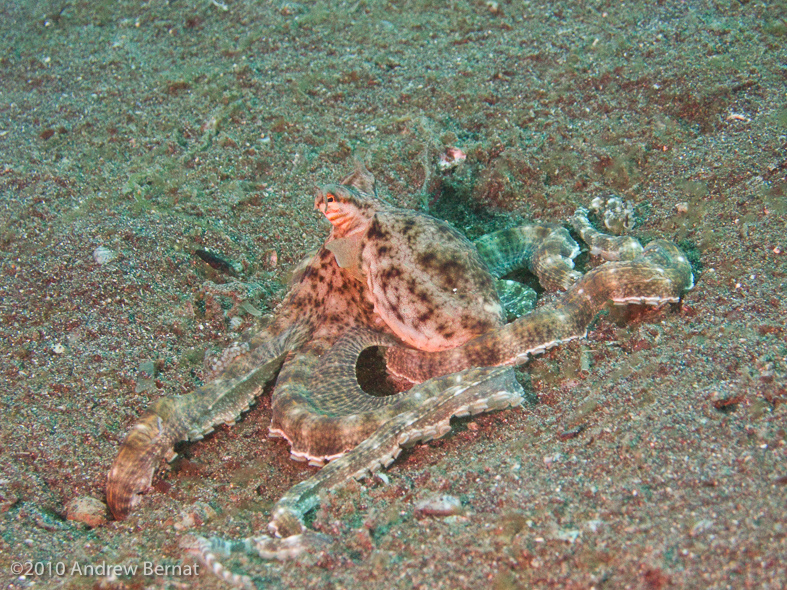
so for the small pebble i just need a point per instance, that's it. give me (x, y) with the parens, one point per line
(554, 458)
(451, 158)
(270, 260)
(726, 396)
(250, 309)
(148, 367)
(104, 255)
(195, 515)
(440, 506)
(494, 7)
(87, 510)
(146, 380)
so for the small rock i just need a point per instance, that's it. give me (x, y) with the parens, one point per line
(550, 459)
(250, 309)
(195, 515)
(451, 158)
(700, 527)
(104, 255)
(87, 510)
(561, 534)
(440, 506)
(726, 395)
(270, 259)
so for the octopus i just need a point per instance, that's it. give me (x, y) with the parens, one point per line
(436, 303)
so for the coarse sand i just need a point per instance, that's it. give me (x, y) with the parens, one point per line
(651, 455)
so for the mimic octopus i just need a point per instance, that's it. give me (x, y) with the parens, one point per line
(409, 283)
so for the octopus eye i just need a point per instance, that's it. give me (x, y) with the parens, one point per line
(329, 198)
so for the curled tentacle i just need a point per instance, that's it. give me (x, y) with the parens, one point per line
(545, 249)
(466, 393)
(208, 551)
(146, 444)
(171, 420)
(601, 244)
(438, 400)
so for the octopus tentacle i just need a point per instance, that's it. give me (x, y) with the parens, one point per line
(545, 249)
(659, 275)
(209, 550)
(465, 393)
(327, 414)
(319, 406)
(190, 417)
(607, 246)
(469, 392)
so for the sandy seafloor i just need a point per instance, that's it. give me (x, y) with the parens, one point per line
(651, 455)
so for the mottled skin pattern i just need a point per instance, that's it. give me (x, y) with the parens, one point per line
(379, 271)
(403, 280)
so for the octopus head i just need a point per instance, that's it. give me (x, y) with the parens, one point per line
(345, 208)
